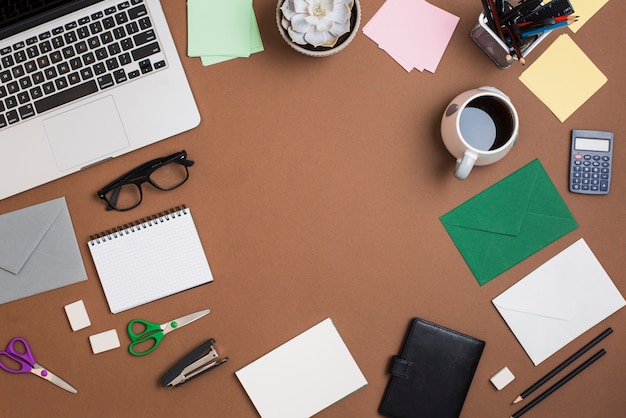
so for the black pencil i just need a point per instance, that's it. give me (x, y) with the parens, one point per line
(558, 384)
(563, 365)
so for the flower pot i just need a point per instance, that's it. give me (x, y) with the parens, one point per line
(321, 50)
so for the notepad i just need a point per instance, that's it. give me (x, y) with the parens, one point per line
(563, 77)
(218, 30)
(414, 33)
(303, 376)
(150, 259)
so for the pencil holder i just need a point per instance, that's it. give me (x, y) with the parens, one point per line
(495, 48)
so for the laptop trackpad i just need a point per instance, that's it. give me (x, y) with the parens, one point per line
(86, 134)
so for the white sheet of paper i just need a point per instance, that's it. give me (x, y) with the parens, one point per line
(559, 301)
(303, 376)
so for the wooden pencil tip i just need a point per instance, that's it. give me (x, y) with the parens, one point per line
(523, 61)
(518, 399)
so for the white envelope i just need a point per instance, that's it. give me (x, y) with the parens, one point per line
(559, 301)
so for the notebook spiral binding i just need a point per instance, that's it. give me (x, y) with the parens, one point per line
(137, 225)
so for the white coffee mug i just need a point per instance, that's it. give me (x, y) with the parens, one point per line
(479, 127)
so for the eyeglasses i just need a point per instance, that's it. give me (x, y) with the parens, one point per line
(164, 173)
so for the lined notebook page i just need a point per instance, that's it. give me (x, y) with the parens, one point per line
(150, 260)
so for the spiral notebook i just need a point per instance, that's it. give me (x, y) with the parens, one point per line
(149, 259)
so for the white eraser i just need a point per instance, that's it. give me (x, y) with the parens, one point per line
(77, 315)
(107, 340)
(502, 378)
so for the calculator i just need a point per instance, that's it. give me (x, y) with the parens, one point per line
(591, 161)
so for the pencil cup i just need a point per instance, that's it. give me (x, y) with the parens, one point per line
(495, 48)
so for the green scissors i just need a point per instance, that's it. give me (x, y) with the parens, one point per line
(156, 332)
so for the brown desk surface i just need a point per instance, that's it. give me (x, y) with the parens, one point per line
(317, 193)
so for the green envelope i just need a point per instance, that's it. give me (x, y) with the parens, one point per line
(508, 222)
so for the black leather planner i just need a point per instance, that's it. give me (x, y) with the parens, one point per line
(432, 375)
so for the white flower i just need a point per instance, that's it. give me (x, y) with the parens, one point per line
(316, 22)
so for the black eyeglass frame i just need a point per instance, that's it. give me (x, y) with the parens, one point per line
(141, 174)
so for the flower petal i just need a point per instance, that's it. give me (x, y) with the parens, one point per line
(339, 29)
(297, 37)
(300, 24)
(316, 38)
(287, 9)
(341, 13)
(300, 6)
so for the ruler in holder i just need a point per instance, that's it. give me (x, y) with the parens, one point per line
(554, 8)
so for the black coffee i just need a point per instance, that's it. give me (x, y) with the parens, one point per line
(486, 123)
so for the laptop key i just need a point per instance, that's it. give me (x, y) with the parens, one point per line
(10, 102)
(3, 121)
(145, 51)
(105, 81)
(66, 96)
(120, 76)
(144, 37)
(12, 117)
(26, 111)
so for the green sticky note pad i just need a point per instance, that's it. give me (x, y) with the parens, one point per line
(218, 28)
(256, 44)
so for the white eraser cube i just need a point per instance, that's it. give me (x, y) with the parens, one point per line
(77, 315)
(104, 341)
(502, 378)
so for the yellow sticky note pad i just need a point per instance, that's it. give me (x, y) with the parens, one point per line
(563, 77)
(585, 9)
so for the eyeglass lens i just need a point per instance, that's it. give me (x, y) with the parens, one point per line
(128, 195)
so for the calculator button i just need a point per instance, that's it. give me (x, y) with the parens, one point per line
(587, 157)
(578, 156)
(605, 158)
(604, 185)
(585, 187)
(596, 157)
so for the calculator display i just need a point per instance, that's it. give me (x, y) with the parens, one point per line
(588, 144)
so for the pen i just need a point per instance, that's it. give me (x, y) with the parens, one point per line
(558, 384)
(537, 23)
(547, 28)
(563, 365)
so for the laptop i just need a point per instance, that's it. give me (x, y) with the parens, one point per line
(83, 81)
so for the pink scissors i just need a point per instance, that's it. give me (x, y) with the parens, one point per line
(25, 363)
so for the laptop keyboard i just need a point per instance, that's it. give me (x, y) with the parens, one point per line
(112, 46)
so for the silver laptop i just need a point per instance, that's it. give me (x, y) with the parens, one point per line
(82, 81)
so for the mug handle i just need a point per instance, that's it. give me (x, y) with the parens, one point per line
(464, 165)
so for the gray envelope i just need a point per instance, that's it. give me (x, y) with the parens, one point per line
(38, 251)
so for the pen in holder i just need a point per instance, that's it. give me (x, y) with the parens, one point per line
(495, 48)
